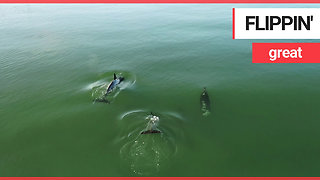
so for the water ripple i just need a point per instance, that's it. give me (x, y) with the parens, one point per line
(147, 154)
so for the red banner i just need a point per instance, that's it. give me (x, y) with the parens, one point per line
(285, 52)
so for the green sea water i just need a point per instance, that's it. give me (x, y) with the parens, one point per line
(56, 59)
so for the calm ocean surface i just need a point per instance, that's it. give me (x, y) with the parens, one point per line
(55, 59)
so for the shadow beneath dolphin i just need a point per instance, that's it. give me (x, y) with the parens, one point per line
(104, 100)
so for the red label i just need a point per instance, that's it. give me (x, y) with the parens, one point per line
(285, 52)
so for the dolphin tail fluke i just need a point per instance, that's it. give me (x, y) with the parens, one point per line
(151, 132)
(114, 76)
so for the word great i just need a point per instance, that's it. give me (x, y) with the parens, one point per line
(270, 21)
(275, 54)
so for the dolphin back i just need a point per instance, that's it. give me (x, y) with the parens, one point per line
(205, 104)
(111, 86)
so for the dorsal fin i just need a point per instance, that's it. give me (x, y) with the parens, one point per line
(114, 76)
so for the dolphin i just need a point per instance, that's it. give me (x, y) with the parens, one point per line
(112, 85)
(205, 104)
(152, 125)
